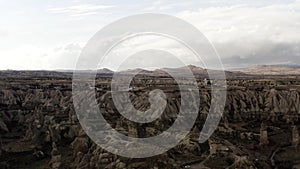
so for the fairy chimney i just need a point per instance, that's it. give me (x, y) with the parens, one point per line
(295, 136)
(263, 134)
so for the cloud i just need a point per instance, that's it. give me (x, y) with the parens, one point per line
(243, 32)
(24, 57)
(160, 5)
(148, 52)
(3, 33)
(259, 35)
(79, 10)
(72, 47)
(41, 58)
(64, 57)
(269, 54)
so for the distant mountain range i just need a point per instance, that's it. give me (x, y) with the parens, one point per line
(271, 70)
(288, 65)
(201, 72)
(197, 71)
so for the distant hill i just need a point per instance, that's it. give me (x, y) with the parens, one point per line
(105, 71)
(288, 65)
(274, 70)
(197, 71)
(270, 70)
(34, 73)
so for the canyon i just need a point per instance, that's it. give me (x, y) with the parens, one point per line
(39, 127)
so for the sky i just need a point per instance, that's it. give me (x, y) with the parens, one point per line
(50, 34)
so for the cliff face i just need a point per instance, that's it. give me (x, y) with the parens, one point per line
(270, 104)
(37, 118)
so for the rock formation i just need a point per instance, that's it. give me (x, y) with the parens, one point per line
(56, 160)
(38, 111)
(295, 136)
(263, 135)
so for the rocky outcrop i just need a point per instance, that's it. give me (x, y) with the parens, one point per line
(295, 136)
(270, 104)
(36, 114)
(56, 161)
(263, 135)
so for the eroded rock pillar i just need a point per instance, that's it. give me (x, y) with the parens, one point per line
(263, 134)
(295, 136)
